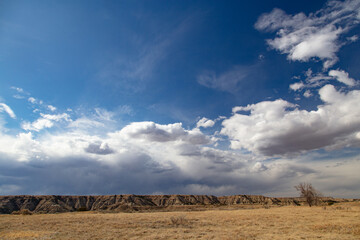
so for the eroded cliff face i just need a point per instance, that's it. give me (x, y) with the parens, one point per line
(55, 204)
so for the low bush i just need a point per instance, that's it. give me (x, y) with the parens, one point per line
(178, 220)
(22, 212)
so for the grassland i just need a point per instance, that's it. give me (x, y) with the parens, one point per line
(290, 222)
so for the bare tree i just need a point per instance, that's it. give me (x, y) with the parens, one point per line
(308, 192)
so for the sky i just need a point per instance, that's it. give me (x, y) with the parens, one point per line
(179, 97)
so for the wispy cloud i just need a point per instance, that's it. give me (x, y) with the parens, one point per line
(231, 80)
(343, 77)
(320, 79)
(131, 73)
(19, 90)
(20, 93)
(7, 109)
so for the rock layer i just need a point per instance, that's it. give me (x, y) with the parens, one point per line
(55, 204)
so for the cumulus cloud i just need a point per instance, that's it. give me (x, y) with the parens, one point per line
(278, 127)
(7, 109)
(169, 158)
(317, 35)
(81, 163)
(205, 123)
(163, 133)
(99, 148)
(342, 77)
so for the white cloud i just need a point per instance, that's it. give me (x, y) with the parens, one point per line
(19, 90)
(296, 86)
(311, 81)
(315, 80)
(51, 108)
(342, 77)
(317, 35)
(272, 128)
(45, 121)
(353, 38)
(56, 117)
(7, 109)
(20, 93)
(307, 94)
(205, 123)
(37, 125)
(32, 100)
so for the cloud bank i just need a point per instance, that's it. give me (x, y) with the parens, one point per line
(64, 153)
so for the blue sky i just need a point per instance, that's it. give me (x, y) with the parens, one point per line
(191, 97)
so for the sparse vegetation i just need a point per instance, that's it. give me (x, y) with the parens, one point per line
(340, 221)
(308, 192)
(22, 212)
(178, 220)
(266, 206)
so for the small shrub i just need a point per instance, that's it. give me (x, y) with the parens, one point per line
(178, 220)
(22, 212)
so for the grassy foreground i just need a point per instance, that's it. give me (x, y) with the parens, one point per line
(291, 222)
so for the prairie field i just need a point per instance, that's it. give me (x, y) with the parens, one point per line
(339, 221)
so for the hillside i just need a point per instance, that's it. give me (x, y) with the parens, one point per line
(55, 204)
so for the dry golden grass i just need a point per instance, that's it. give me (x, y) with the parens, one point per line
(300, 222)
